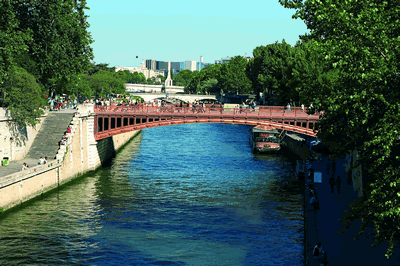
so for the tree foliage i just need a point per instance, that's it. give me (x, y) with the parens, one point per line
(357, 46)
(60, 43)
(233, 76)
(43, 44)
(270, 72)
(23, 97)
(106, 82)
(12, 38)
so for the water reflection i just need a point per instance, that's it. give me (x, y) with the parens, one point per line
(181, 195)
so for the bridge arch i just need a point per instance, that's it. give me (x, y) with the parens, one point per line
(115, 120)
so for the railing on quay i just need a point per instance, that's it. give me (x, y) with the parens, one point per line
(25, 174)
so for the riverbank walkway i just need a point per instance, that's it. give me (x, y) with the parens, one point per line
(45, 143)
(322, 225)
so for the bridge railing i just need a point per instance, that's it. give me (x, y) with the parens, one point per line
(208, 109)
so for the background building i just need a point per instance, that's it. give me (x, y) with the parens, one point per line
(223, 60)
(151, 64)
(200, 66)
(176, 66)
(148, 73)
(191, 65)
(161, 65)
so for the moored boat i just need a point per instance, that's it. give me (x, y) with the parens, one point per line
(265, 139)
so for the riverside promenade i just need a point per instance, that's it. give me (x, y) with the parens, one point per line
(322, 225)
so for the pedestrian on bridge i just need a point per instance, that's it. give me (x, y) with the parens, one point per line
(302, 108)
(288, 108)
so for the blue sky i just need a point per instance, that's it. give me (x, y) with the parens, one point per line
(179, 30)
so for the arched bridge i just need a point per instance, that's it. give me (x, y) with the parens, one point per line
(113, 119)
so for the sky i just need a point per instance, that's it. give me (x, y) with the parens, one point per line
(184, 30)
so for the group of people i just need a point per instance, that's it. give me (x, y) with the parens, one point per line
(302, 107)
(41, 161)
(332, 181)
(65, 137)
(57, 103)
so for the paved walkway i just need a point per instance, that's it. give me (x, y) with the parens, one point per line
(322, 225)
(16, 166)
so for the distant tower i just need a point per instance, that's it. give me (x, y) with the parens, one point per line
(168, 81)
(201, 61)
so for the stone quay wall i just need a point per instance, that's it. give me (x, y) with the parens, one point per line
(82, 153)
(10, 147)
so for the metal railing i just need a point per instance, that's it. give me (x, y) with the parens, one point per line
(207, 109)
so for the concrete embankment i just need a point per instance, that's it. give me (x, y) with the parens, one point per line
(82, 153)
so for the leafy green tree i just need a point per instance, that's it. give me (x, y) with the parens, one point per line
(163, 78)
(86, 86)
(207, 85)
(194, 81)
(12, 38)
(23, 97)
(360, 40)
(150, 81)
(233, 76)
(271, 72)
(183, 78)
(60, 43)
(106, 82)
(93, 68)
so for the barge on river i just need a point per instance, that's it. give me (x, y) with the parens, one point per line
(265, 139)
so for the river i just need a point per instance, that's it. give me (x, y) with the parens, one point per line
(176, 195)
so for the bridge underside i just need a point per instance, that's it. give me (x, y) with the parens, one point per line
(106, 126)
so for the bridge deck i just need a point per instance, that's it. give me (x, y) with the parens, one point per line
(115, 119)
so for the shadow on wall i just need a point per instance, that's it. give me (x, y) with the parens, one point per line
(19, 133)
(106, 150)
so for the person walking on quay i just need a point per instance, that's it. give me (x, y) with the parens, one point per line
(338, 183)
(332, 182)
(328, 166)
(318, 253)
(314, 202)
(25, 166)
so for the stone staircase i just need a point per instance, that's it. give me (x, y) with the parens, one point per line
(47, 140)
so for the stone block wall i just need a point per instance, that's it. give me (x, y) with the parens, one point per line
(80, 155)
(8, 145)
(29, 186)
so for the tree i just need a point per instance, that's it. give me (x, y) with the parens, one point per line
(150, 81)
(12, 39)
(93, 68)
(106, 82)
(163, 78)
(183, 78)
(207, 85)
(233, 75)
(359, 40)
(271, 72)
(60, 43)
(194, 81)
(211, 78)
(24, 99)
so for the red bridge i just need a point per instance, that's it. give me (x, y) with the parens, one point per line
(113, 120)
